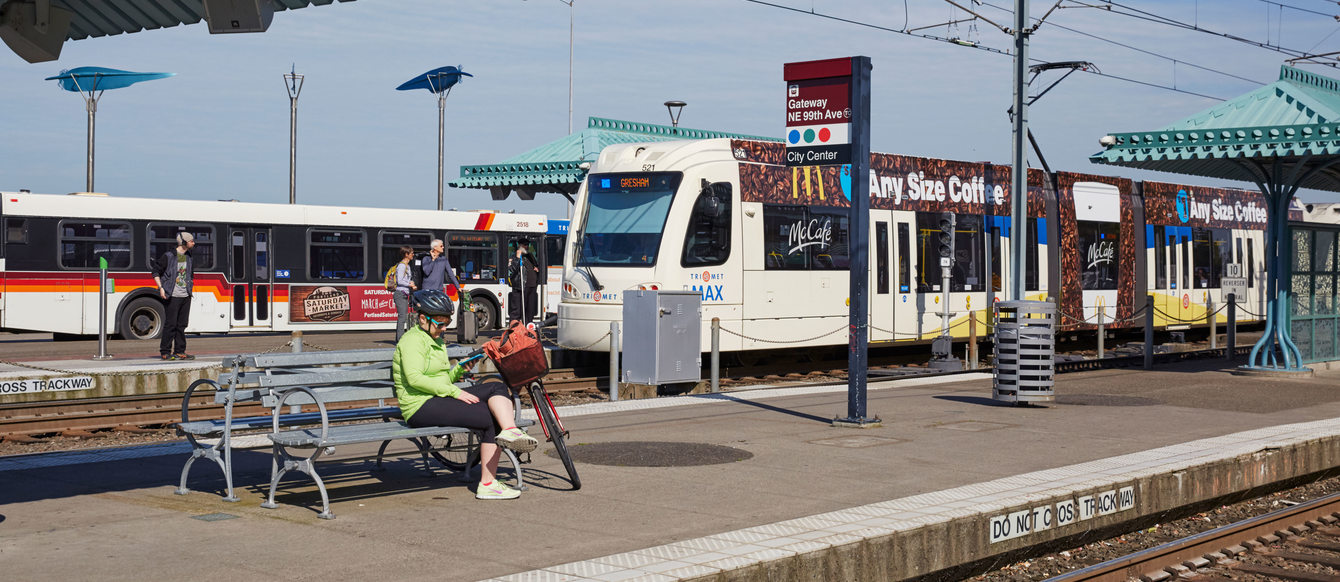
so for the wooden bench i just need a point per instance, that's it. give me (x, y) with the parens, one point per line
(291, 380)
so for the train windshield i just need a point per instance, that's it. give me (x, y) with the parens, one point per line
(625, 215)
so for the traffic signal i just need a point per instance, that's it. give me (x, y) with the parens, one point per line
(947, 224)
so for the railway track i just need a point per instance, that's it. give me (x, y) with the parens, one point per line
(1299, 543)
(26, 422)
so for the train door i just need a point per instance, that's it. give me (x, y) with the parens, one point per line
(882, 283)
(1180, 266)
(1098, 230)
(250, 277)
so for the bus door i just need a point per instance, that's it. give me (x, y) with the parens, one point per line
(251, 278)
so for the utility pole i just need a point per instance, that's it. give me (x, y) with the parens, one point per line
(1019, 174)
(293, 84)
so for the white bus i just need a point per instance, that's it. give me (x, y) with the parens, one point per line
(258, 266)
(767, 246)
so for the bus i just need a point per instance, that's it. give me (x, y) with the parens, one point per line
(768, 246)
(555, 240)
(258, 266)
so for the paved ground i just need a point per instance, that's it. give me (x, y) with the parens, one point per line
(64, 517)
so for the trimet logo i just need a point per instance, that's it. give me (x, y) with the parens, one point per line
(1183, 205)
(793, 90)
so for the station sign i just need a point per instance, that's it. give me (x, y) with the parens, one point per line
(818, 112)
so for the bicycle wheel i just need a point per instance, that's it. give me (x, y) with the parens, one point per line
(454, 452)
(549, 422)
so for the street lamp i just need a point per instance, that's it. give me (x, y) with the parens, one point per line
(439, 81)
(676, 108)
(90, 82)
(571, 20)
(293, 84)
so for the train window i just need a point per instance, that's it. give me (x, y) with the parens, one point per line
(996, 225)
(1185, 242)
(391, 242)
(1160, 258)
(1036, 235)
(1210, 250)
(625, 217)
(1251, 265)
(335, 255)
(163, 238)
(791, 237)
(474, 256)
(16, 231)
(81, 243)
(904, 259)
(1097, 247)
(882, 258)
(707, 241)
(969, 249)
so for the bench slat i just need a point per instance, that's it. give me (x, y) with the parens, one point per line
(359, 433)
(209, 427)
(330, 376)
(328, 394)
(283, 360)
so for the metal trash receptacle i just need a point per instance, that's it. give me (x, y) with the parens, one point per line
(1025, 351)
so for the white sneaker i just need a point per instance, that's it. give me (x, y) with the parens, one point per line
(517, 440)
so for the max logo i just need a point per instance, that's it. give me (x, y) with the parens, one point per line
(1183, 205)
(710, 292)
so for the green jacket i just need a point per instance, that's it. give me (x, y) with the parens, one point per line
(421, 370)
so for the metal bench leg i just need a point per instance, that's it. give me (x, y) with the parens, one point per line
(276, 461)
(382, 451)
(199, 451)
(309, 466)
(516, 466)
(425, 446)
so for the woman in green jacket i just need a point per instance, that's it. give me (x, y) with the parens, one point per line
(425, 386)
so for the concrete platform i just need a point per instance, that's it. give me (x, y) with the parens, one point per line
(951, 476)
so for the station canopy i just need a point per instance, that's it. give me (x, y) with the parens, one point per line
(36, 29)
(561, 165)
(1282, 137)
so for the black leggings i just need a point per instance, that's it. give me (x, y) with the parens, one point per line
(443, 411)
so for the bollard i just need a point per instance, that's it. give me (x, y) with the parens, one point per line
(972, 341)
(614, 361)
(1149, 333)
(716, 355)
(296, 342)
(102, 311)
(1214, 325)
(1102, 335)
(1231, 334)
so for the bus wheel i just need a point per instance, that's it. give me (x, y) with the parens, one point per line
(486, 313)
(143, 319)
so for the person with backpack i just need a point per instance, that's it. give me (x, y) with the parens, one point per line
(400, 282)
(523, 276)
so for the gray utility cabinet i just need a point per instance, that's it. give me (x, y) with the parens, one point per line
(662, 337)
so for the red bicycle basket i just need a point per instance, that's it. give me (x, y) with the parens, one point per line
(518, 355)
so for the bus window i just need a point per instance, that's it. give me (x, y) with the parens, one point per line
(16, 231)
(904, 259)
(475, 257)
(707, 241)
(163, 238)
(391, 241)
(553, 249)
(335, 255)
(882, 258)
(81, 243)
(1160, 259)
(1097, 248)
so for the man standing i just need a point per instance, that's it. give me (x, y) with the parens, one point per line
(437, 269)
(523, 275)
(172, 274)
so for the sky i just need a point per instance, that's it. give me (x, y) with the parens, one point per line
(219, 129)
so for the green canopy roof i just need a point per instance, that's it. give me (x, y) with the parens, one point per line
(559, 166)
(1292, 119)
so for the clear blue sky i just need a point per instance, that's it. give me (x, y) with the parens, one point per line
(219, 129)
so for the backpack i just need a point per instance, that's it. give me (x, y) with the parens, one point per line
(390, 277)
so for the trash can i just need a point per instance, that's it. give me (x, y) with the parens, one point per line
(1025, 351)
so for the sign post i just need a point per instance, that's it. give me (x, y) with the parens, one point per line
(828, 123)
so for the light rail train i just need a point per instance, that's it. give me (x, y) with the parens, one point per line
(767, 246)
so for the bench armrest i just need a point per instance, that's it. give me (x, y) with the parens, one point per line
(321, 406)
(186, 399)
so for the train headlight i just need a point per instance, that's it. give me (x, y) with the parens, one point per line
(648, 286)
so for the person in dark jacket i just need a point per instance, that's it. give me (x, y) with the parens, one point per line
(173, 274)
(523, 275)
